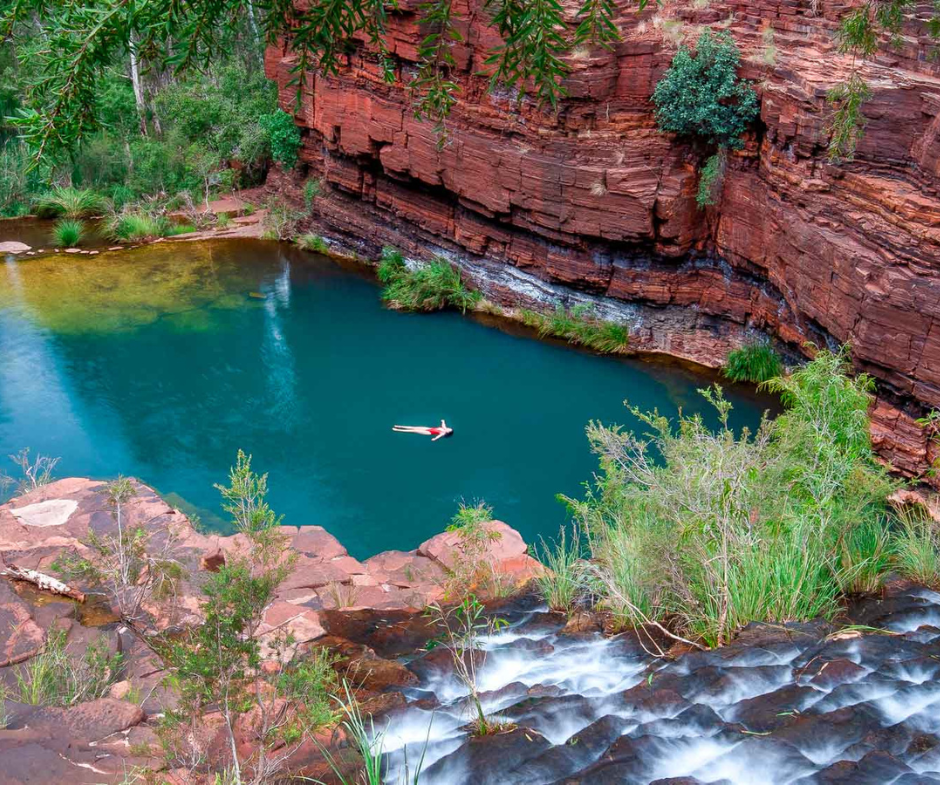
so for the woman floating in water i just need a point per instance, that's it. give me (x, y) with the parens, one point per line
(435, 432)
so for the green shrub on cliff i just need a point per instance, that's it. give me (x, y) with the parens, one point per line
(753, 363)
(711, 529)
(217, 666)
(700, 96)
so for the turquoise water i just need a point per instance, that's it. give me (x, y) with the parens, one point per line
(161, 362)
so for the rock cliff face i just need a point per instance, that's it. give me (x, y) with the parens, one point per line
(595, 199)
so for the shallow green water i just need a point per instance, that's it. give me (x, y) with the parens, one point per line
(162, 361)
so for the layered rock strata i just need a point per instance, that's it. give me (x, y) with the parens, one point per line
(595, 200)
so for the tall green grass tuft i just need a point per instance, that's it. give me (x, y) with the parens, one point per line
(916, 547)
(55, 677)
(753, 363)
(135, 224)
(70, 203)
(563, 581)
(68, 232)
(426, 288)
(580, 326)
(710, 529)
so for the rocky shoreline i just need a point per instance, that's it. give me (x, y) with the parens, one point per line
(855, 699)
(94, 741)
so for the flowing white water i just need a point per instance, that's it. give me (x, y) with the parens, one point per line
(593, 709)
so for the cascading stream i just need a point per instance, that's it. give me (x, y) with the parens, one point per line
(782, 704)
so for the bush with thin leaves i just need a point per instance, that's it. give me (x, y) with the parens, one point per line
(34, 472)
(710, 529)
(472, 524)
(562, 580)
(133, 224)
(311, 242)
(136, 564)
(580, 326)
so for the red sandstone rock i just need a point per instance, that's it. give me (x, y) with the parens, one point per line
(506, 553)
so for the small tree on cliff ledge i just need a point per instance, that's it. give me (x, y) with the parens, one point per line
(702, 97)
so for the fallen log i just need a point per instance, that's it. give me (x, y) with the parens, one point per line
(43, 582)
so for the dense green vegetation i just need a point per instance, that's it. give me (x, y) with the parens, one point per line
(580, 326)
(707, 530)
(426, 287)
(148, 132)
(753, 363)
(57, 677)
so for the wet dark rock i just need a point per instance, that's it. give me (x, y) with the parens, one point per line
(389, 633)
(876, 768)
(646, 703)
(537, 648)
(563, 760)
(559, 715)
(483, 760)
(622, 763)
(829, 734)
(696, 720)
(773, 710)
(440, 661)
(583, 622)
(363, 668)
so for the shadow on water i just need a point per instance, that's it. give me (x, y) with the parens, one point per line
(160, 362)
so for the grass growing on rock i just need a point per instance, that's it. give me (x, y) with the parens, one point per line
(563, 580)
(54, 677)
(135, 225)
(425, 288)
(311, 242)
(68, 232)
(710, 529)
(916, 546)
(753, 363)
(580, 326)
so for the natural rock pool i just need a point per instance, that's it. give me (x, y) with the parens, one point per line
(160, 362)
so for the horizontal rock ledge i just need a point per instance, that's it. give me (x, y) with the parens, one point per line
(38, 527)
